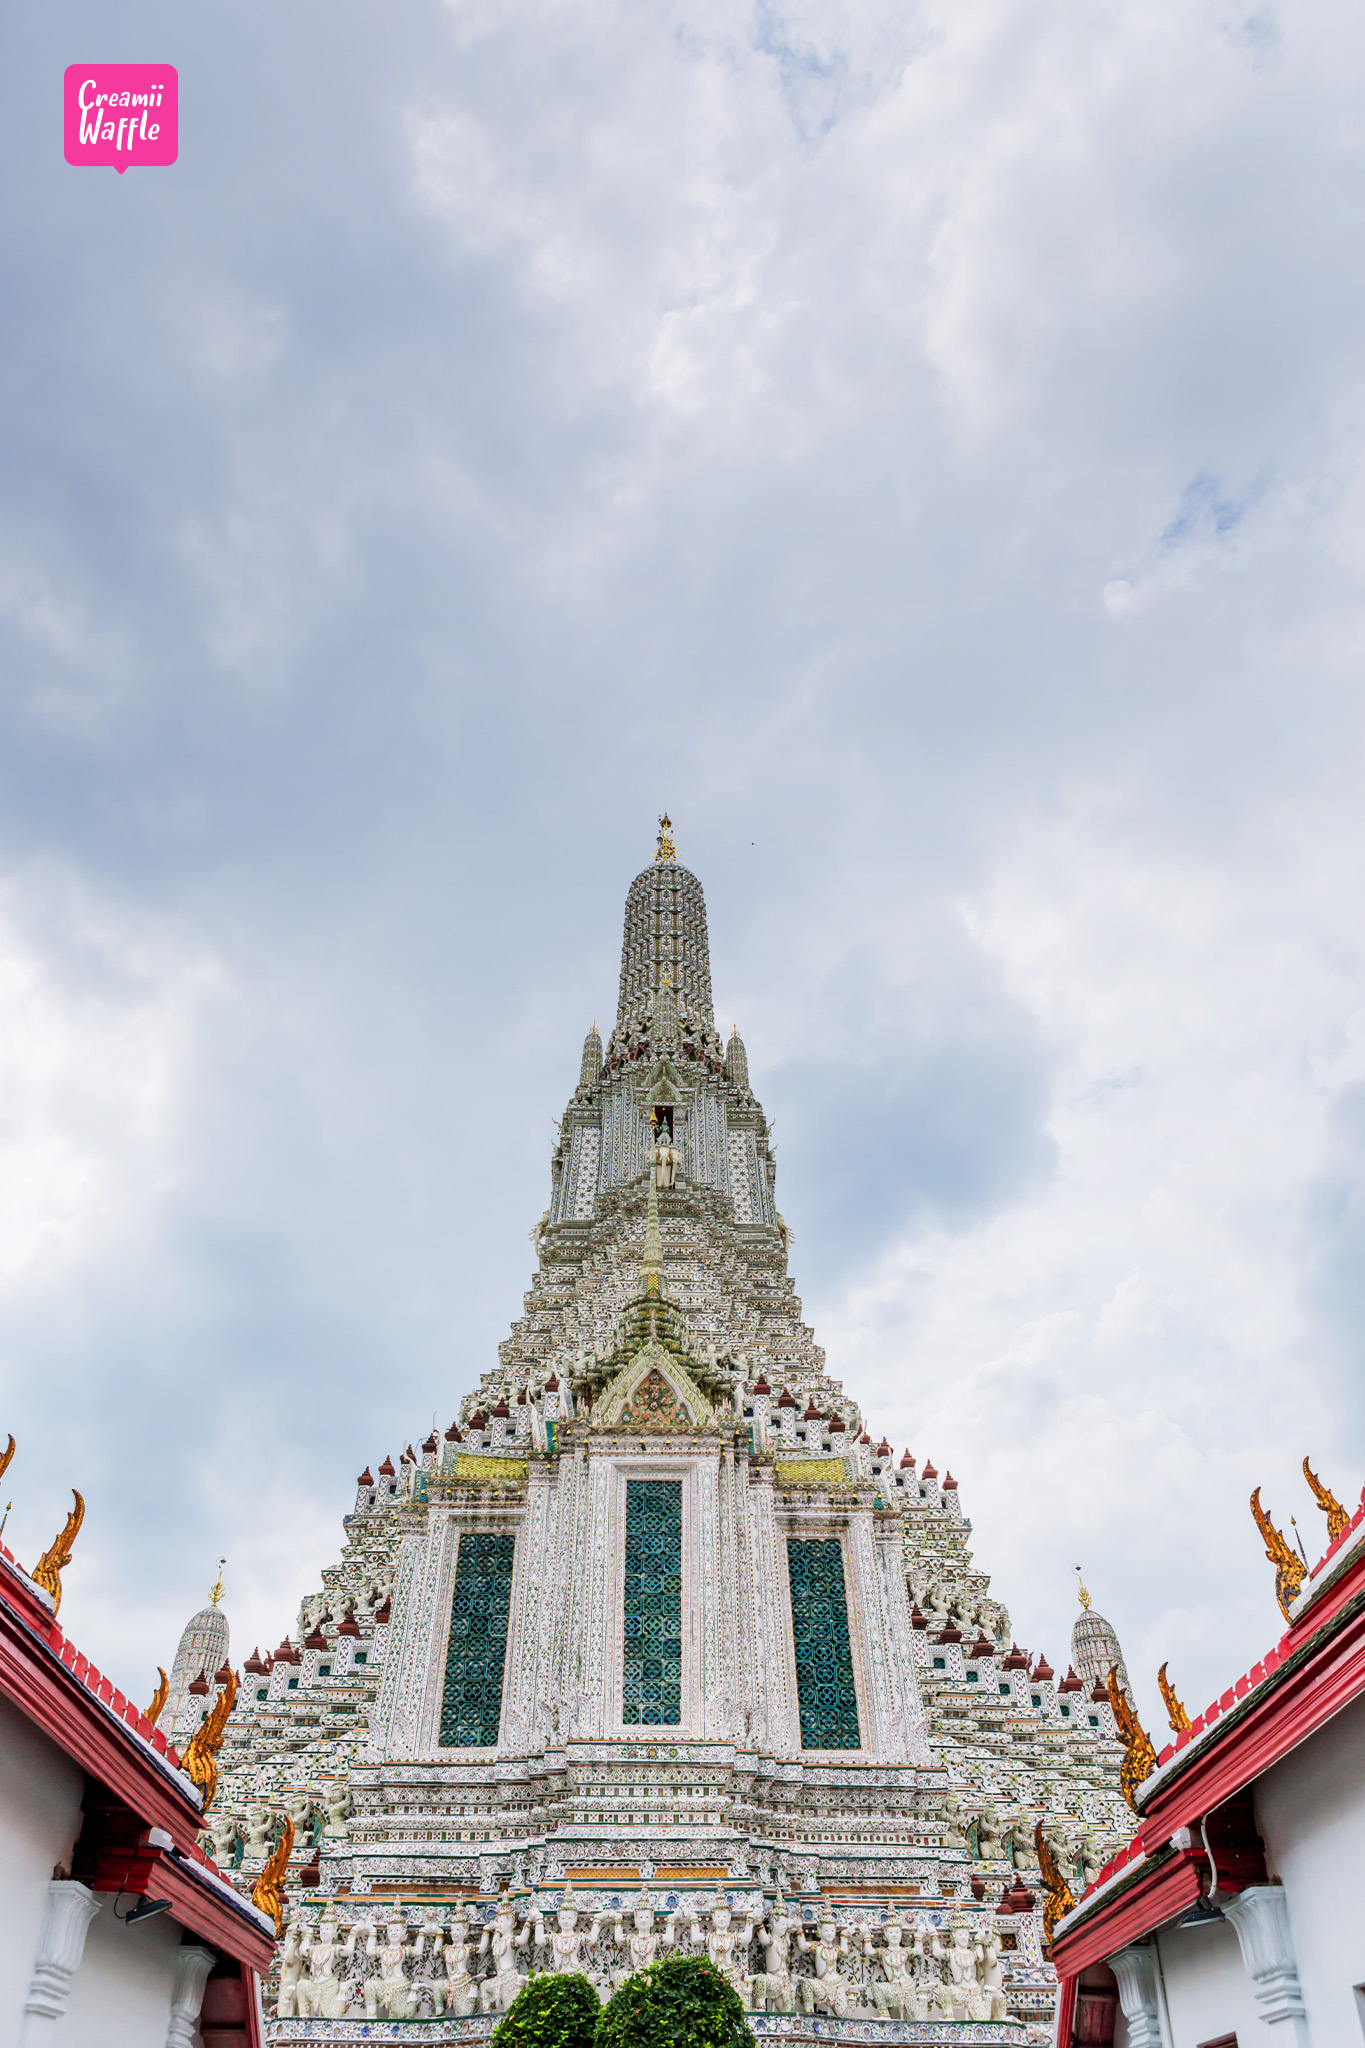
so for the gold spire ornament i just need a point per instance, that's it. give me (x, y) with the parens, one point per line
(6, 1455)
(267, 1894)
(1139, 1757)
(163, 1686)
(216, 1589)
(47, 1573)
(199, 1760)
(1175, 1712)
(1338, 1521)
(664, 849)
(1290, 1571)
(1081, 1593)
(1058, 1897)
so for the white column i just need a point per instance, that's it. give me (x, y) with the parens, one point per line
(70, 1909)
(1261, 1919)
(1135, 1969)
(192, 1966)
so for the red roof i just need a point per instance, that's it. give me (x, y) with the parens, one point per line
(386, 1469)
(906, 1459)
(137, 1772)
(366, 1478)
(1316, 1668)
(786, 1399)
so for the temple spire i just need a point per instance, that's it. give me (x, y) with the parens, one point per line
(665, 933)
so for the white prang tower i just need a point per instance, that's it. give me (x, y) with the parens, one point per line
(659, 1628)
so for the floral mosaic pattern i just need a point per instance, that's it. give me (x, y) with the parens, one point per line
(471, 1704)
(824, 1664)
(654, 1405)
(651, 1690)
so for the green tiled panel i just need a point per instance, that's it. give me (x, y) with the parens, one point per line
(471, 1705)
(824, 1663)
(652, 1675)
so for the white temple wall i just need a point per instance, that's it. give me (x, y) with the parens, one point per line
(1207, 1992)
(121, 1995)
(1310, 1812)
(41, 1791)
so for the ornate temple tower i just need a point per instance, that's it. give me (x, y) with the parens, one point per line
(202, 1650)
(1095, 1648)
(657, 1609)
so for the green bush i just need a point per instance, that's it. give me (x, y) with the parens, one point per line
(551, 2012)
(682, 2002)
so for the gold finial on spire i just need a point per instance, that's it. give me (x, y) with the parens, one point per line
(1338, 1521)
(47, 1573)
(216, 1589)
(1082, 1595)
(1175, 1712)
(664, 848)
(1290, 1571)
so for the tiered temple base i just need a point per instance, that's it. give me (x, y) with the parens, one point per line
(794, 2028)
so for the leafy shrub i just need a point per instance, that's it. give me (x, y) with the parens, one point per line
(682, 2002)
(551, 2012)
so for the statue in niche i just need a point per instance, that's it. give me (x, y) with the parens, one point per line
(225, 1843)
(459, 1995)
(962, 1959)
(388, 1993)
(259, 1832)
(828, 1988)
(502, 1941)
(567, 1942)
(772, 1989)
(728, 1945)
(896, 1995)
(990, 1974)
(339, 1808)
(641, 1943)
(322, 1995)
(292, 1965)
(667, 1160)
(990, 1835)
(952, 1828)
(1022, 1852)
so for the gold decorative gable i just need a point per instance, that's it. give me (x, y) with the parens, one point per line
(654, 1391)
(812, 1472)
(473, 1470)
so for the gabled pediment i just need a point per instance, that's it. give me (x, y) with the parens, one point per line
(653, 1391)
(663, 1086)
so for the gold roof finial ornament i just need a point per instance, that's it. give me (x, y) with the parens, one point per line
(267, 1894)
(1139, 1757)
(199, 1761)
(6, 1455)
(1083, 1596)
(1290, 1571)
(163, 1686)
(1058, 1897)
(216, 1589)
(1338, 1521)
(664, 849)
(47, 1573)
(1175, 1712)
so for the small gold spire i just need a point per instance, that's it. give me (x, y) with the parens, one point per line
(664, 848)
(163, 1686)
(1175, 1712)
(1083, 1596)
(47, 1573)
(7, 1454)
(216, 1589)
(1338, 1521)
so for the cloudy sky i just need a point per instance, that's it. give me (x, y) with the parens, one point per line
(922, 445)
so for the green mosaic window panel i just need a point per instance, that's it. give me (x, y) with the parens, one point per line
(824, 1663)
(471, 1705)
(651, 1690)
